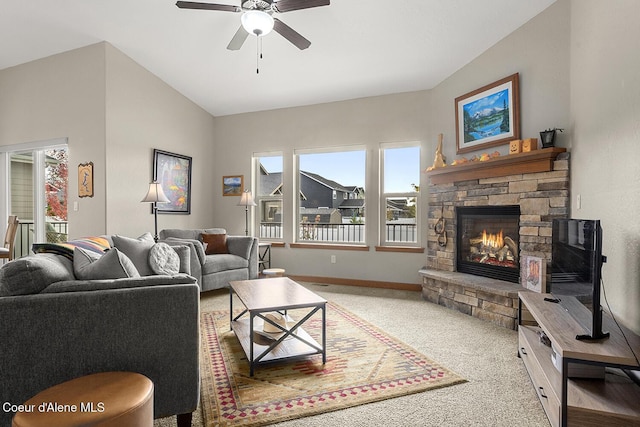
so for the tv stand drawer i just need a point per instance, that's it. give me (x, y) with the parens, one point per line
(534, 354)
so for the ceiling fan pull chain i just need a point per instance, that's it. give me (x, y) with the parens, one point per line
(257, 55)
(260, 41)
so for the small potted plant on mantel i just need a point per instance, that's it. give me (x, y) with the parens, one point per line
(548, 137)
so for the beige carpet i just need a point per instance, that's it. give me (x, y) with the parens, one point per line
(498, 392)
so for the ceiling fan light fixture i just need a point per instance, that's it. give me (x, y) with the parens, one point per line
(257, 22)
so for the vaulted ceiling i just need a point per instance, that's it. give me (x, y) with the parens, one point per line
(358, 48)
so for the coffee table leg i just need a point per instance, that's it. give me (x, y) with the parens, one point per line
(324, 334)
(251, 316)
(230, 308)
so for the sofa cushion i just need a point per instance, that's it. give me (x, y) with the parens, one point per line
(94, 244)
(223, 262)
(184, 255)
(213, 231)
(124, 283)
(137, 250)
(31, 274)
(215, 243)
(112, 265)
(192, 234)
(163, 259)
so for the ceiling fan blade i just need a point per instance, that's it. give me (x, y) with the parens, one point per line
(289, 5)
(290, 34)
(238, 39)
(207, 6)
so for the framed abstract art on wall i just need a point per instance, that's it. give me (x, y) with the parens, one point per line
(173, 172)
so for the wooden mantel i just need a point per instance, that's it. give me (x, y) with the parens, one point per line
(510, 164)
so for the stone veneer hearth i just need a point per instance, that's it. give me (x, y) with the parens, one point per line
(542, 196)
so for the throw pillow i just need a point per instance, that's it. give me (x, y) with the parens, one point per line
(137, 250)
(215, 243)
(112, 265)
(31, 274)
(164, 260)
(94, 244)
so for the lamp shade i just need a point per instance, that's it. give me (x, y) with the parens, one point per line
(257, 22)
(155, 194)
(246, 199)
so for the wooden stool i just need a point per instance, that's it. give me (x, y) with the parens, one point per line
(273, 272)
(107, 399)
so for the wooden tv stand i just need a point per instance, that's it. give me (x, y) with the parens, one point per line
(577, 401)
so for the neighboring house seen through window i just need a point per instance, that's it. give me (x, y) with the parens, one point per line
(269, 196)
(331, 196)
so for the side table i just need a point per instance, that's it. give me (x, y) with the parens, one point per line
(264, 256)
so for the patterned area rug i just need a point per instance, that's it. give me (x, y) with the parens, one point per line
(363, 365)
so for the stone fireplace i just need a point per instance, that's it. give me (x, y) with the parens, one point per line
(466, 268)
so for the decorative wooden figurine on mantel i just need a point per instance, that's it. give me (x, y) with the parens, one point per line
(439, 161)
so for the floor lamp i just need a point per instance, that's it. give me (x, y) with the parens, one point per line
(155, 195)
(246, 200)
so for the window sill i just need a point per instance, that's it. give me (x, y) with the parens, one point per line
(406, 249)
(334, 247)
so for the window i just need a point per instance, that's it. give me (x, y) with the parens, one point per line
(269, 196)
(330, 198)
(400, 174)
(36, 191)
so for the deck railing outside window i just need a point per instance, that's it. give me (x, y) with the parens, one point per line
(56, 232)
(350, 233)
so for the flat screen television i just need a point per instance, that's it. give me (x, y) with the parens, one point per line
(576, 267)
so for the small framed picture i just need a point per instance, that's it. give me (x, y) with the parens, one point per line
(85, 179)
(533, 273)
(232, 185)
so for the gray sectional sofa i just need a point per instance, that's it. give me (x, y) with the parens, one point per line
(56, 327)
(238, 259)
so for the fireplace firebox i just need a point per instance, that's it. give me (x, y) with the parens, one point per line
(487, 241)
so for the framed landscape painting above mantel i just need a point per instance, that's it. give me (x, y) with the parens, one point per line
(173, 172)
(488, 116)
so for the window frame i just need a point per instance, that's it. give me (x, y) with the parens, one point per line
(383, 196)
(260, 200)
(297, 240)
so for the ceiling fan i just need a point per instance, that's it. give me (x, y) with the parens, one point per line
(257, 18)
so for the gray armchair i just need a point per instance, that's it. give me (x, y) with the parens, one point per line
(216, 270)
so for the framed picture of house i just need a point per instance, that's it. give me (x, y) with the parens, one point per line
(488, 116)
(533, 273)
(232, 185)
(173, 172)
(85, 179)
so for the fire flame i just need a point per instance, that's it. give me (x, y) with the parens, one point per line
(492, 240)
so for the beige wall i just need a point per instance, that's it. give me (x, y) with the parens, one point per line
(539, 52)
(114, 113)
(605, 136)
(62, 96)
(144, 113)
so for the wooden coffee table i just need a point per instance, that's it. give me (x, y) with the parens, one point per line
(279, 294)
